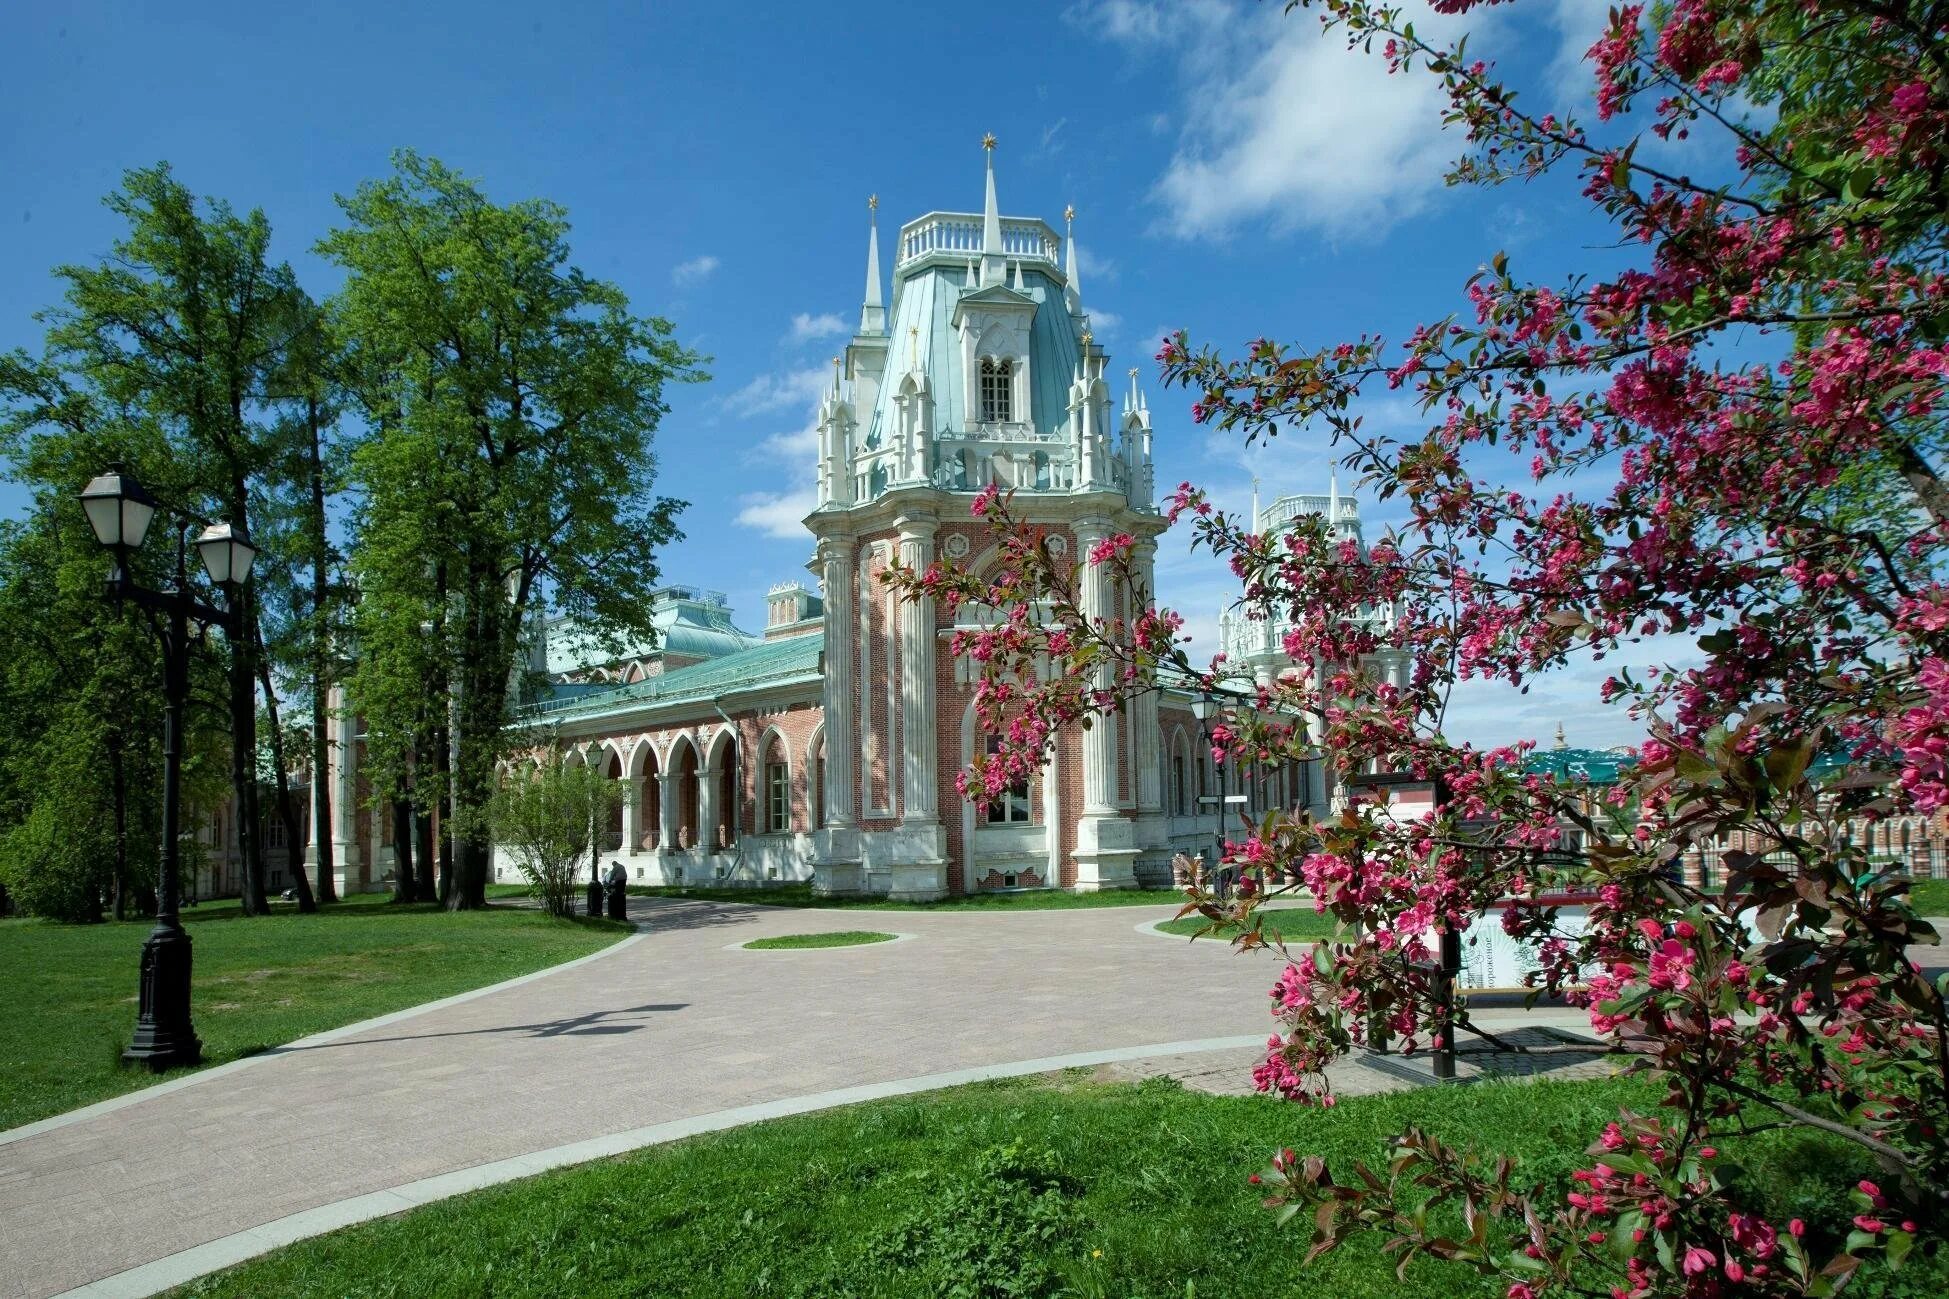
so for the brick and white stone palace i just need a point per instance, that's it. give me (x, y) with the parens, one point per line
(825, 747)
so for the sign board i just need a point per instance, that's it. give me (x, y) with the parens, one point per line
(1493, 959)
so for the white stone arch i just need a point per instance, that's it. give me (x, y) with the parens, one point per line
(815, 776)
(1045, 802)
(573, 756)
(760, 760)
(722, 776)
(643, 804)
(686, 791)
(1184, 792)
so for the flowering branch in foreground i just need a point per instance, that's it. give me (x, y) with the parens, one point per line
(1761, 399)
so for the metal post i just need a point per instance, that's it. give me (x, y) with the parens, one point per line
(1449, 964)
(164, 1037)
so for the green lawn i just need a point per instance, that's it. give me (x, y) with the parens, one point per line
(1024, 1188)
(1930, 897)
(800, 895)
(71, 989)
(1298, 924)
(838, 938)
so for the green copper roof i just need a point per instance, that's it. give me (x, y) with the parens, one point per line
(1580, 766)
(925, 302)
(766, 664)
(690, 622)
(1604, 767)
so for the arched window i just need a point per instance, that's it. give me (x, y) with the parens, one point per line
(997, 391)
(1012, 808)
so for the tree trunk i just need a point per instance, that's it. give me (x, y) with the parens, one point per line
(483, 703)
(443, 771)
(286, 809)
(426, 888)
(321, 652)
(402, 814)
(120, 792)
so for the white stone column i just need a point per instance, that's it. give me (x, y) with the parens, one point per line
(344, 775)
(919, 747)
(1145, 740)
(632, 814)
(841, 793)
(837, 870)
(1106, 842)
(669, 791)
(1100, 741)
(707, 809)
(917, 853)
(1147, 748)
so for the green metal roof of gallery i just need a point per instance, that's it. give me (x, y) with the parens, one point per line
(787, 661)
(1606, 766)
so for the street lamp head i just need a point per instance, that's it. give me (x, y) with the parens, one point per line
(1203, 705)
(227, 553)
(118, 508)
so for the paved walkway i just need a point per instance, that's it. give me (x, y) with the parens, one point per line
(675, 1032)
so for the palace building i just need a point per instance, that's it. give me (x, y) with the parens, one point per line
(825, 746)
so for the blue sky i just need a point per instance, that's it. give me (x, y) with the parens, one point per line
(1234, 172)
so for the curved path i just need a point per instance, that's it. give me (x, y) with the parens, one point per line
(670, 1032)
(668, 1027)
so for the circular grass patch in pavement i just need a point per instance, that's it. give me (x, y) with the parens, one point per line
(838, 938)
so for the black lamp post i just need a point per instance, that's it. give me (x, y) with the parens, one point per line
(1204, 707)
(120, 511)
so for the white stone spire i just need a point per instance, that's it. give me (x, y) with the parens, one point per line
(1333, 506)
(872, 312)
(1073, 289)
(991, 223)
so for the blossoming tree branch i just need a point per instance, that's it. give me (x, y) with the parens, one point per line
(1760, 398)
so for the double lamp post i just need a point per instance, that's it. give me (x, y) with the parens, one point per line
(120, 511)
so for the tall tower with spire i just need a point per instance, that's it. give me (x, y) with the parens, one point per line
(982, 370)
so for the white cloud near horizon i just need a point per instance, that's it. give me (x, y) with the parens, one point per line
(694, 271)
(778, 390)
(806, 326)
(778, 514)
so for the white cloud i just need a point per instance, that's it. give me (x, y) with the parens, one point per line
(806, 327)
(1104, 323)
(1282, 126)
(777, 514)
(778, 391)
(1051, 143)
(694, 271)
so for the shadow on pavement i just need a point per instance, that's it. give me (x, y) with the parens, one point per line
(597, 1023)
(682, 913)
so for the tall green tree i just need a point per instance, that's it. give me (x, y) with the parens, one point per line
(80, 677)
(181, 326)
(510, 401)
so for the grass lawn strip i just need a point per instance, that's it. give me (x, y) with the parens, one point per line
(800, 942)
(1044, 1186)
(259, 983)
(1296, 924)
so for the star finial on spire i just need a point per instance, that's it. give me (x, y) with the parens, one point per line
(1133, 371)
(988, 141)
(1088, 338)
(873, 202)
(1069, 213)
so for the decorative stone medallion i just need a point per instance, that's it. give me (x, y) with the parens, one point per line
(956, 546)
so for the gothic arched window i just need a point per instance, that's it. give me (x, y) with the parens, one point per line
(997, 391)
